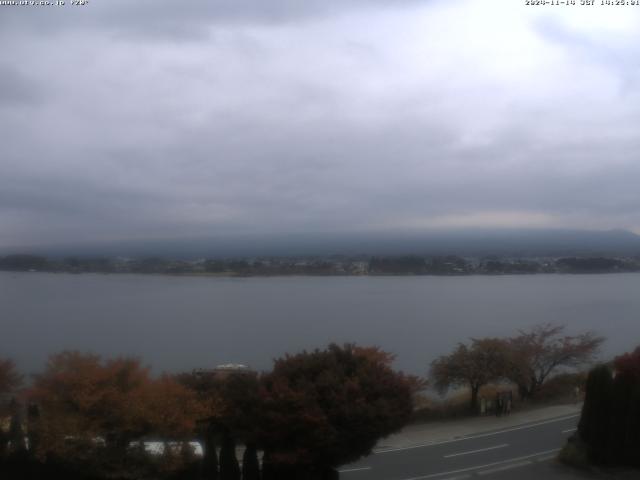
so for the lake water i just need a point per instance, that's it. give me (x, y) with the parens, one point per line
(178, 323)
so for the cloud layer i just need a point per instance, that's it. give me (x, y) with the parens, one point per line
(153, 120)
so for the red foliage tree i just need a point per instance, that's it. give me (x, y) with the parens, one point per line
(628, 365)
(329, 407)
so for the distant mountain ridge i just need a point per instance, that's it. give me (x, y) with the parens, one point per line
(506, 242)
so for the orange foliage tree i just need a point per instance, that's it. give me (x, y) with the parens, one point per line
(83, 398)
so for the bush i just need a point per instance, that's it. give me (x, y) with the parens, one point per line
(561, 388)
(574, 453)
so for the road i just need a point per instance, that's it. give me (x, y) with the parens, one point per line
(528, 449)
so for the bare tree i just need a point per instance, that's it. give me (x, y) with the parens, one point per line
(537, 353)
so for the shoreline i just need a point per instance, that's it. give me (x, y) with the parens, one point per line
(311, 275)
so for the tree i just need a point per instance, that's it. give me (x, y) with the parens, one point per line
(625, 438)
(596, 411)
(21, 262)
(10, 379)
(231, 412)
(207, 389)
(537, 353)
(83, 397)
(229, 468)
(16, 434)
(172, 409)
(250, 463)
(610, 420)
(238, 419)
(628, 365)
(473, 366)
(324, 408)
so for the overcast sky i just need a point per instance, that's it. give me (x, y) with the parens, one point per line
(134, 119)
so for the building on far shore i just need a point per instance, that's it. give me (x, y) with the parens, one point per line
(224, 370)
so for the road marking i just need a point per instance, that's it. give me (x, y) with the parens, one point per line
(505, 467)
(476, 451)
(546, 458)
(471, 437)
(569, 430)
(360, 469)
(480, 467)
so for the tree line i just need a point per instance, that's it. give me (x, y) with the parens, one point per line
(89, 417)
(526, 360)
(330, 265)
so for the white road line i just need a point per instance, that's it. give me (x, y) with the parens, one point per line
(505, 467)
(471, 437)
(569, 430)
(347, 470)
(546, 458)
(476, 451)
(480, 467)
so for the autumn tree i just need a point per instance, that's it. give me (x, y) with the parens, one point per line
(537, 353)
(206, 387)
(83, 397)
(628, 365)
(10, 380)
(325, 408)
(172, 409)
(473, 366)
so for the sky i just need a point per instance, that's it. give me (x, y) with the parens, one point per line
(147, 119)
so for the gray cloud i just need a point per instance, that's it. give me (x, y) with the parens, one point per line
(313, 116)
(17, 89)
(173, 18)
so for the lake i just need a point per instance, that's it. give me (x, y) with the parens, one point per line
(178, 323)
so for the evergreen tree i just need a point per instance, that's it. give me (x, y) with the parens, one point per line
(621, 395)
(16, 430)
(632, 443)
(596, 413)
(627, 408)
(229, 468)
(250, 463)
(268, 471)
(209, 458)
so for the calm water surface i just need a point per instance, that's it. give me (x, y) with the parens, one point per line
(177, 323)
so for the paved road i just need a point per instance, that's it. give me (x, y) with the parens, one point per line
(495, 455)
